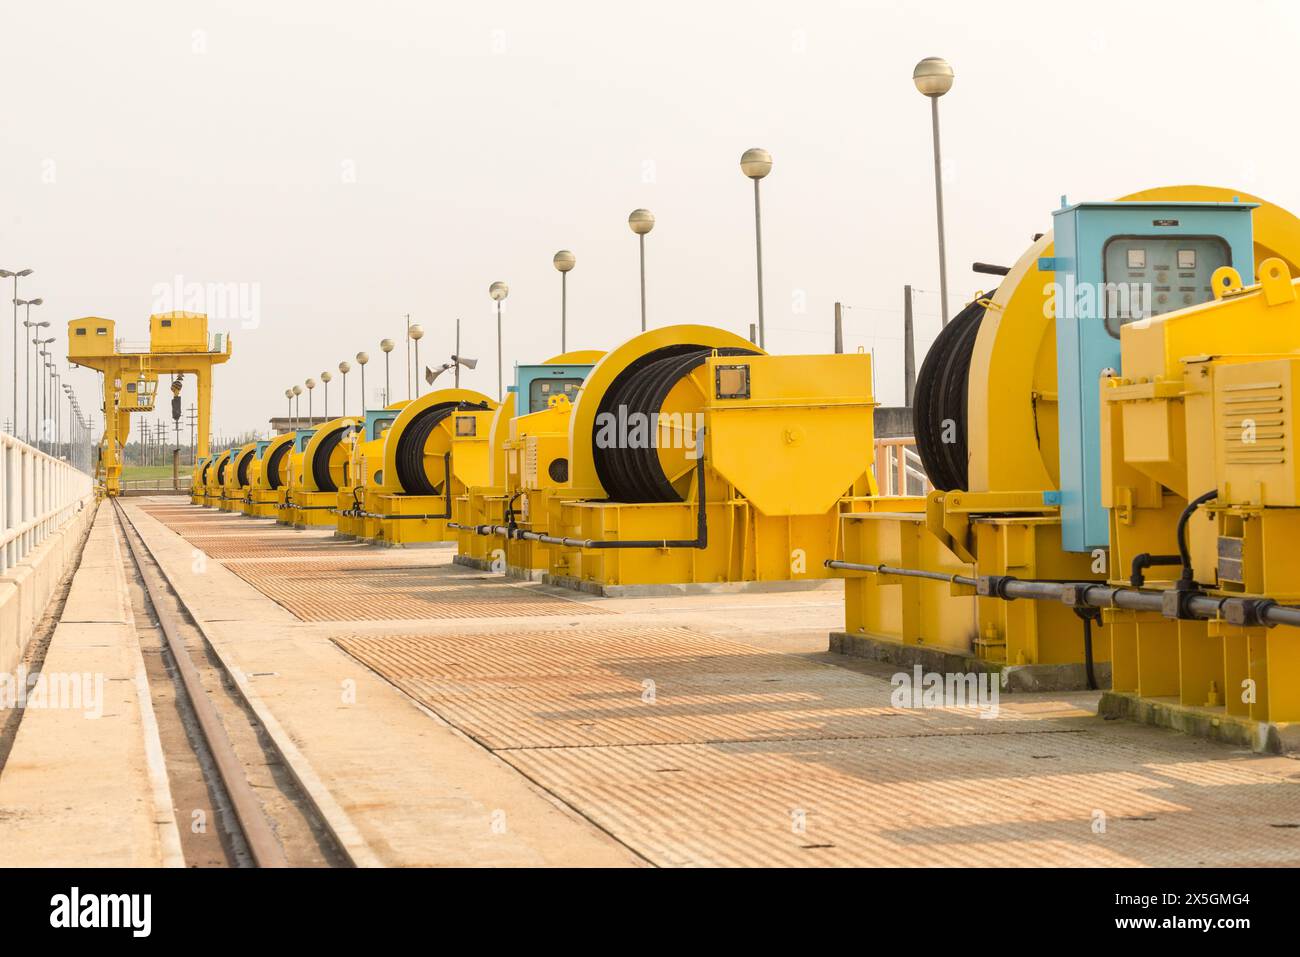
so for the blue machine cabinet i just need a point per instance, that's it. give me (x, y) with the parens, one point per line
(535, 384)
(1117, 263)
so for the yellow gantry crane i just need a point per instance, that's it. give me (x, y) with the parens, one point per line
(178, 345)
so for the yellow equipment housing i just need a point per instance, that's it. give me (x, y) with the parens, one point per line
(435, 449)
(521, 482)
(270, 482)
(318, 466)
(365, 468)
(1006, 520)
(1206, 406)
(215, 479)
(239, 478)
(786, 445)
(198, 478)
(178, 345)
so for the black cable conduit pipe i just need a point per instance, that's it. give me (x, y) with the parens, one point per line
(1237, 611)
(701, 539)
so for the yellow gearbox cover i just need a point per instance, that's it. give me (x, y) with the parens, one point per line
(791, 433)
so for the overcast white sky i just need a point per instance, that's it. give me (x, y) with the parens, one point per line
(352, 162)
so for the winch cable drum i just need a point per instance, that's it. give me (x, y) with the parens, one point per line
(941, 396)
(241, 470)
(272, 467)
(411, 445)
(221, 470)
(635, 475)
(320, 463)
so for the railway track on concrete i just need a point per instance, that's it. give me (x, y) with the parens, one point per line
(237, 800)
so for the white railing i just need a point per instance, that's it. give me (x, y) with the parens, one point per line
(38, 494)
(898, 467)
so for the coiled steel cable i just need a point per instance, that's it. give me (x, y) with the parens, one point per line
(632, 472)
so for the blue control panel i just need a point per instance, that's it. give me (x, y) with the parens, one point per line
(1117, 263)
(535, 385)
(378, 422)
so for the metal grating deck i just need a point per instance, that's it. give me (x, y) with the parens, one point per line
(747, 757)
(317, 577)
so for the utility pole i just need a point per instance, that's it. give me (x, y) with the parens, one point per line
(408, 358)
(839, 329)
(909, 350)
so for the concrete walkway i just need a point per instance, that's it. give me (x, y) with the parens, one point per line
(85, 783)
(416, 790)
(541, 728)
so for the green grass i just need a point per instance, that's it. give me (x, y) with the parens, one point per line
(133, 473)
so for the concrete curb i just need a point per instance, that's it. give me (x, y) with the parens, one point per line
(1263, 737)
(691, 588)
(1022, 678)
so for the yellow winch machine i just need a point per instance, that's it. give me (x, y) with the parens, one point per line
(690, 459)
(318, 463)
(528, 463)
(269, 476)
(1110, 435)
(366, 456)
(198, 480)
(239, 478)
(411, 462)
(214, 480)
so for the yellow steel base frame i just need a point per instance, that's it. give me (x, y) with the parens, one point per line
(389, 529)
(744, 546)
(517, 558)
(1212, 678)
(232, 501)
(262, 503)
(349, 525)
(948, 619)
(312, 509)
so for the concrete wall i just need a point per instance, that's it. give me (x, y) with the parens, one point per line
(893, 421)
(26, 588)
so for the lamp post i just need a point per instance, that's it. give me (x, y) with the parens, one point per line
(933, 78)
(362, 359)
(757, 163)
(387, 346)
(297, 403)
(311, 386)
(498, 291)
(325, 378)
(641, 221)
(72, 405)
(413, 336)
(29, 392)
(45, 402)
(27, 386)
(55, 383)
(15, 275)
(564, 261)
(39, 393)
(288, 394)
(344, 368)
